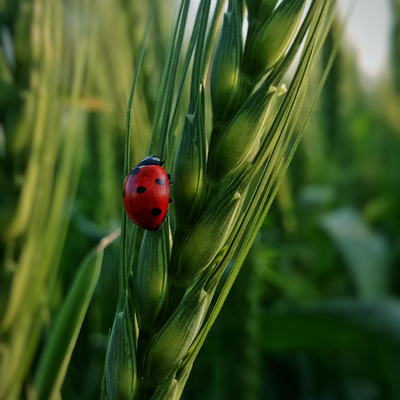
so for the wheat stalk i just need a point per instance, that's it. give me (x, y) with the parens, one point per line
(164, 311)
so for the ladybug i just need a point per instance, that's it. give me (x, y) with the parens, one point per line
(146, 193)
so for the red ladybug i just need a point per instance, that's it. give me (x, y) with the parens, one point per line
(146, 193)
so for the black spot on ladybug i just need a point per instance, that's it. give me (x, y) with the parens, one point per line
(140, 189)
(155, 212)
(160, 182)
(123, 193)
(135, 171)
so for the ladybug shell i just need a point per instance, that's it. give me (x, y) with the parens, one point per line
(146, 196)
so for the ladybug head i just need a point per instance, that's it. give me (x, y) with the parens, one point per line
(151, 160)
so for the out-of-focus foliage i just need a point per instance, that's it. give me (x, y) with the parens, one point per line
(314, 313)
(66, 68)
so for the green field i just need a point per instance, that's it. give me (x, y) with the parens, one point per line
(314, 313)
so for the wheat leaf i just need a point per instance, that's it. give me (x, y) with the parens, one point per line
(55, 359)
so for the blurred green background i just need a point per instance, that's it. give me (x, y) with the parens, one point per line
(314, 313)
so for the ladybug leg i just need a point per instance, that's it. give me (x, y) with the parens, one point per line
(161, 163)
(171, 200)
(169, 176)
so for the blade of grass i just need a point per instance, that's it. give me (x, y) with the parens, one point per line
(161, 102)
(124, 262)
(197, 73)
(55, 359)
(163, 142)
(204, 64)
(211, 36)
(179, 95)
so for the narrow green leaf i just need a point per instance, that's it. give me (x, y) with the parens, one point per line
(206, 55)
(366, 253)
(197, 73)
(179, 95)
(124, 248)
(171, 73)
(211, 36)
(54, 362)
